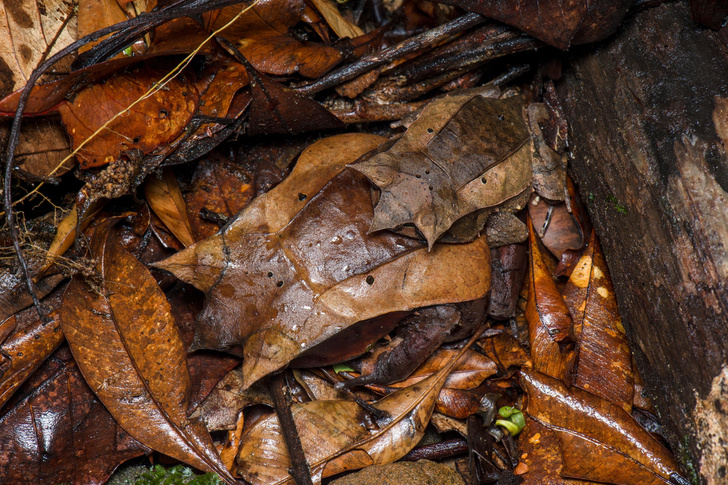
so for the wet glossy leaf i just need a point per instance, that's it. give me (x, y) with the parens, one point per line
(599, 440)
(57, 431)
(462, 154)
(555, 225)
(551, 332)
(557, 22)
(335, 435)
(540, 455)
(303, 250)
(28, 345)
(129, 350)
(604, 362)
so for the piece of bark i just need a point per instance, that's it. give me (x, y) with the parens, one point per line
(648, 115)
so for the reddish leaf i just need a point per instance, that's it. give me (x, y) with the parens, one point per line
(130, 352)
(603, 364)
(510, 265)
(555, 225)
(30, 343)
(262, 36)
(561, 23)
(540, 459)
(277, 109)
(549, 322)
(600, 441)
(59, 432)
(218, 187)
(154, 121)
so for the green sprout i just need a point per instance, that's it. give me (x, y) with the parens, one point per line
(515, 420)
(342, 368)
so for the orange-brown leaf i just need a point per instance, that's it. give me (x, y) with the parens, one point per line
(549, 322)
(155, 121)
(165, 199)
(600, 441)
(540, 454)
(129, 350)
(603, 364)
(30, 343)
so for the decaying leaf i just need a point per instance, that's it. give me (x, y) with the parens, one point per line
(463, 154)
(277, 109)
(129, 350)
(297, 266)
(599, 440)
(27, 28)
(57, 431)
(603, 364)
(154, 122)
(556, 22)
(551, 332)
(540, 459)
(419, 335)
(338, 435)
(549, 166)
(31, 341)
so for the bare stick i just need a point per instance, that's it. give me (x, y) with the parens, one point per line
(383, 57)
(282, 401)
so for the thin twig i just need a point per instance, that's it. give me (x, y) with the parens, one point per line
(282, 402)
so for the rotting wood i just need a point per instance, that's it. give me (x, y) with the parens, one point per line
(648, 115)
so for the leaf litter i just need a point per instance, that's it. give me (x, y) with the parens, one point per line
(380, 252)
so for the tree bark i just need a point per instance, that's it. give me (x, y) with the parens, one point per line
(648, 117)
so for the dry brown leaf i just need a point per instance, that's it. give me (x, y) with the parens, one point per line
(95, 15)
(42, 146)
(335, 435)
(603, 364)
(303, 250)
(550, 326)
(338, 24)
(27, 27)
(128, 348)
(463, 154)
(599, 440)
(165, 199)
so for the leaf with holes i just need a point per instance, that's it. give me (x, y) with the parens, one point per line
(463, 154)
(296, 266)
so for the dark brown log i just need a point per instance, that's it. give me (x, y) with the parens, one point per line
(648, 115)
